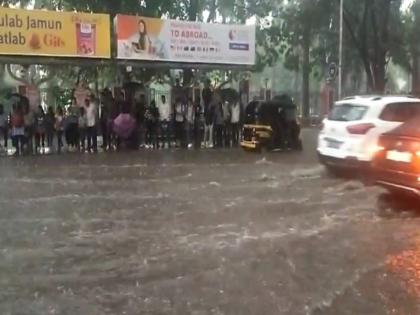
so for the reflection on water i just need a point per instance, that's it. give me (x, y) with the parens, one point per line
(398, 206)
(407, 266)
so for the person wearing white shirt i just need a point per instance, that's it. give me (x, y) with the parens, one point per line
(235, 121)
(180, 115)
(165, 121)
(91, 117)
(190, 118)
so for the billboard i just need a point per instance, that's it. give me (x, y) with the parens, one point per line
(51, 33)
(142, 38)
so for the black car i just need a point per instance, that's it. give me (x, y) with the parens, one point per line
(396, 165)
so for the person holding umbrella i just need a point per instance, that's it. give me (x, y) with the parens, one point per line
(124, 125)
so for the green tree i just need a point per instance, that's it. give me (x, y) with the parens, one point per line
(376, 31)
(410, 57)
(297, 31)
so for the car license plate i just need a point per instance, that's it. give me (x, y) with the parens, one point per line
(399, 156)
(334, 144)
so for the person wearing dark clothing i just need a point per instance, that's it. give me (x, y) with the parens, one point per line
(218, 125)
(72, 126)
(197, 125)
(209, 114)
(105, 108)
(83, 129)
(190, 122)
(180, 114)
(152, 121)
(226, 124)
(140, 111)
(207, 95)
(18, 129)
(49, 126)
(29, 120)
(3, 126)
(40, 129)
(59, 128)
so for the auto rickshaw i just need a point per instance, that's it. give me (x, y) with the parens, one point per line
(271, 125)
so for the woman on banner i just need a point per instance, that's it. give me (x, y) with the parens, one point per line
(143, 44)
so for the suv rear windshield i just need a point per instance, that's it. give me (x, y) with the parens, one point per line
(347, 112)
(400, 112)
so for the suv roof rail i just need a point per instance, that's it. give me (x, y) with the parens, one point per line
(374, 96)
(401, 95)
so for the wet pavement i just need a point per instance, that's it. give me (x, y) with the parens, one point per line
(206, 232)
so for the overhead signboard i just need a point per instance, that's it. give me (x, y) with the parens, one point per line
(141, 38)
(51, 33)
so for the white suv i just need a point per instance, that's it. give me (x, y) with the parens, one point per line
(350, 133)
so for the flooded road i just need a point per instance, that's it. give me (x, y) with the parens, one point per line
(209, 232)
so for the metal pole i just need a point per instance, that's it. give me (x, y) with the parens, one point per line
(340, 63)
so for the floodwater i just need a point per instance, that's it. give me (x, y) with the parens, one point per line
(208, 232)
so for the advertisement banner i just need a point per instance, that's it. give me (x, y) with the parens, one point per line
(51, 33)
(143, 38)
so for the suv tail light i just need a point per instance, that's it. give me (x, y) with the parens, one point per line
(416, 162)
(360, 129)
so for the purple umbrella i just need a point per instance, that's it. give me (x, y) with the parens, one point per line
(124, 125)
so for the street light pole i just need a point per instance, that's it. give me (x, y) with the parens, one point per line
(340, 62)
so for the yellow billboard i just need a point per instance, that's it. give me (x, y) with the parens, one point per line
(51, 33)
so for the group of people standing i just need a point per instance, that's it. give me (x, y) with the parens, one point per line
(206, 121)
(192, 123)
(32, 131)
